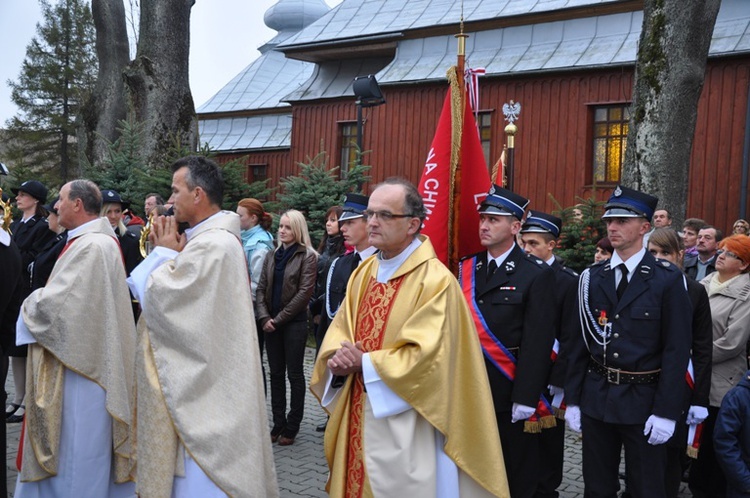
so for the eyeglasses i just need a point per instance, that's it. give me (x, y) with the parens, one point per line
(728, 254)
(384, 215)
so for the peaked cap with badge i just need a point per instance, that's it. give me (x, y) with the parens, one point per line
(502, 202)
(112, 196)
(626, 202)
(539, 222)
(354, 206)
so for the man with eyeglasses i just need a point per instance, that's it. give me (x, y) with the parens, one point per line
(629, 361)
(398, 373)
(511, 296)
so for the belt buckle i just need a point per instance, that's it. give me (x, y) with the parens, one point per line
(613, 379)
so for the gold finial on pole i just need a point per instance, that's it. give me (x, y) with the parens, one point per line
(511, 111)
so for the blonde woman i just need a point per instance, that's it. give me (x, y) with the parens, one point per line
(112, 208)
(284, 290)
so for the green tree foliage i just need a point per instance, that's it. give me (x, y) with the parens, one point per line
(580, 232)
(58, 71)
(126, 172)
(317, 188)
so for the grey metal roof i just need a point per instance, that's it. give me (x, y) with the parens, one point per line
(261, 85)
(249, 132)
(334, 79)
(575, 43)
(359, 18)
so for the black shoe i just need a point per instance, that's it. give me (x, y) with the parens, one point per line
(10, 409)
(322, 427)
(17, 416)
(275, 433)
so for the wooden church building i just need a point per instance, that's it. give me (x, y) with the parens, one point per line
(569, 63)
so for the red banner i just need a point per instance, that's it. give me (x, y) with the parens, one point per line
(436, 183)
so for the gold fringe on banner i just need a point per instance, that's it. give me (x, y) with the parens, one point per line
(457, 124)
(692, 452)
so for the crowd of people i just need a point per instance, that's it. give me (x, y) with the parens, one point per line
(140, 355)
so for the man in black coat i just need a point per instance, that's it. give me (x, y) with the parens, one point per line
(624, 378)
(539, 236)
(509, 294)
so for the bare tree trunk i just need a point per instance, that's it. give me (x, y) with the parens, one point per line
(158, 79)
(670, 70)
(107, 106)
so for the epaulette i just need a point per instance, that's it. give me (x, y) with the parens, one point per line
(536, 260)
(663, 263)
(570, 271)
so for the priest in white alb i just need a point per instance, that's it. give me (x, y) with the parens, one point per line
(201, 423)
(81, 338)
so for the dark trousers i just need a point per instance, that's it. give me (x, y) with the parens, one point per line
(521, 455)
(285, 348)
(551, 449)
(261, 343)
(706, 477)
(645, 463)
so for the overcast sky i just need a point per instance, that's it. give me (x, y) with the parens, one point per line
(225, 35)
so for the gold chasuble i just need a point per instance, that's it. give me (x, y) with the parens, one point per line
(199, 382)
(422, 343)
(82, 320)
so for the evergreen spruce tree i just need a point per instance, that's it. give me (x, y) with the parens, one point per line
(580, 234)
(317, 188)
(59, 70)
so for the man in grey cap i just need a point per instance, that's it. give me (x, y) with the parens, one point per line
(627, 364)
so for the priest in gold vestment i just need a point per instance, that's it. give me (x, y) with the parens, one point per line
(81, 338)
(201, 427)
(401, 372)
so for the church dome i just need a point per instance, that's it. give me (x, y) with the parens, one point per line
(294, 15)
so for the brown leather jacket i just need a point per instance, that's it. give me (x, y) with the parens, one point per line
(299, 284)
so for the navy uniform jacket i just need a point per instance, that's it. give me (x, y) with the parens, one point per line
(131, 251)
(651, 329)
(516, 305)
(566, 286)
(337, 279)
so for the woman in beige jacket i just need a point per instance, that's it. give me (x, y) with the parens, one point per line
(729, 295)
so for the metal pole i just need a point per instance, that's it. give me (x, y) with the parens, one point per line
(359, 126)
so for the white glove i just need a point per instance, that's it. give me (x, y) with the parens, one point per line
(696, 415)
(554, 390)
(661, 429)
(573, 417)
(521, 412)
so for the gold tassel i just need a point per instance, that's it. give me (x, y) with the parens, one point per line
(692, 452)
(548, 422)
(559, 412)
(532, 427)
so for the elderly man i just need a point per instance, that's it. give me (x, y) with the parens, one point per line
(705, 262)
(198, 375)
(410, 406)
(627, 364)
(81, 338)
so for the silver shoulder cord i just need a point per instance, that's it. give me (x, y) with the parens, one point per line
(589, 324)
(330, 313)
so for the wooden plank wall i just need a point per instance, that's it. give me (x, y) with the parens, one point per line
(553, 144)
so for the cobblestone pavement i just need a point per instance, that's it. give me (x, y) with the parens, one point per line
(302, 469)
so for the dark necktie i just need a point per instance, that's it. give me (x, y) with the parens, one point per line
(623, 280)
(355, 261)
(491, 269)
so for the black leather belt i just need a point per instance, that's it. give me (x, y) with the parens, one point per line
(617, 376)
